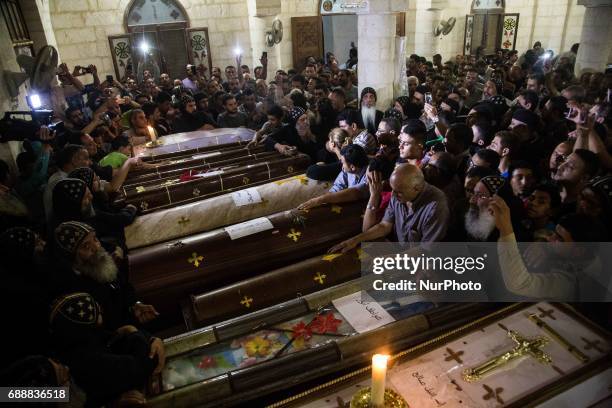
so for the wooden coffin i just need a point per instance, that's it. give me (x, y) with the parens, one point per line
(165, 274)
(174, 176)
(435, 374)
(211, 213)
(168, 167)
(241, 360)
(213, 183)
(193, 142)
(271, 288)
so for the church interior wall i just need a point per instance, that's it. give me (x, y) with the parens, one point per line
(8, 62)
(82, 29)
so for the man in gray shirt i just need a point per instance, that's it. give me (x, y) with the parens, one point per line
(231, 118)
(417, 213)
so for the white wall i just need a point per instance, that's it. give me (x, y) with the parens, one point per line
(8, 62)
(338, 33)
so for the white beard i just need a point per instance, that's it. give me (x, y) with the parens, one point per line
(479, 224)
(369, 116)
(101, 268)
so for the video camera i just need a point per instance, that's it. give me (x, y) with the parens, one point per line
(15, 125)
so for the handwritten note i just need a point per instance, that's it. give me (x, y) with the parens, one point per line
(248, 196)
(248, 228)
(362, 311)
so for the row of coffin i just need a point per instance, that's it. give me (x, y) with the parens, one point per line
(269, 275)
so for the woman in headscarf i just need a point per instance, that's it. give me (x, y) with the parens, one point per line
(296, 137)
(108, 366)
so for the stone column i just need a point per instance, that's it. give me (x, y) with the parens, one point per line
(595, 49)
(376, 44)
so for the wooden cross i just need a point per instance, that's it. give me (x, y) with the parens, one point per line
(592, 345)
(547, 313)
(336, 208)
(246, 180)
(523, 347)
(183, 221)
(454, 356)
(144, 206)
(493, 393)
(140, 189)
(294, 235)
(196, 192)
(246, 301)
(195, 259)
(319, 277)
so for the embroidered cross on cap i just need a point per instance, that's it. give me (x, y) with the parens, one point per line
(69, 235)
(493, 183)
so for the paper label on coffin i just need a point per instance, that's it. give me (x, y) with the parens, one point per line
(435, 379)
(362, 311)
(249, 228)
(247, 196)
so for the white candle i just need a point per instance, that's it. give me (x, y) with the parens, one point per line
(379, 374)
(152, 134)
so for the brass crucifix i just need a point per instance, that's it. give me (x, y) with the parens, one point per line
(524, 347)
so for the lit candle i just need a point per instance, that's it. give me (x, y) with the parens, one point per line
(152, 134)
(379, 374)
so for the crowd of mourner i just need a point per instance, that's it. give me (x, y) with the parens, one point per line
(503, 148)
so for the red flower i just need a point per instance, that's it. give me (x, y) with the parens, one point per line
(325, 323)
(207, 362)
(301, 330)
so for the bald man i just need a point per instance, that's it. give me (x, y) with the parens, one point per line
(418, 212)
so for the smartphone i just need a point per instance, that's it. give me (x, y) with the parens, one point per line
(428, 98)
(109, 79)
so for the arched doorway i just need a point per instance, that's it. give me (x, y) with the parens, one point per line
(489, 27)
(158, 39)
(157, 31)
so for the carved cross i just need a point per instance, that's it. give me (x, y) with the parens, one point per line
(144, 206)
(493, 393)
(246, 180)
(454, 356)
(524, 347)
(294, 235)
(195, 259)
(547, 313)
(246, 301)
(592, 345)
(183, 221)
(196, 192)
(336, 208)
(319, 277)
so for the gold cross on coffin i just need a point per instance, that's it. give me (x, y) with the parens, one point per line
(195, 259)
(524, 347)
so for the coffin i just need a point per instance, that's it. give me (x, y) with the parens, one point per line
(160, 196)
(268, 289)
(208, 214)
(166, 273)
(263, 352)
(172, 177)
(434, 374)
(172, 166)
(194, 142)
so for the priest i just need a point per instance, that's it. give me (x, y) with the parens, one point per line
(90, 268)
(370, 116)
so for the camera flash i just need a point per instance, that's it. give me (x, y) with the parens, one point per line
(237, 51)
